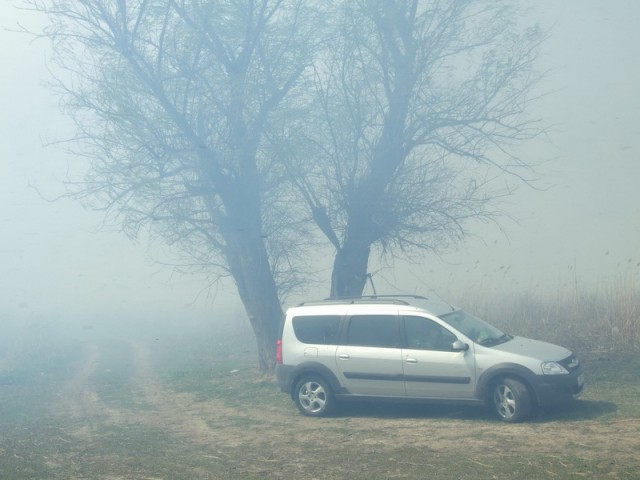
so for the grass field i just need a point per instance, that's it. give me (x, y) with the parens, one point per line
(191, 406)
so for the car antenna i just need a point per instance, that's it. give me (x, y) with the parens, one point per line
(373, 287)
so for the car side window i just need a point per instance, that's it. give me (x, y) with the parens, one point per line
(373, 331)
(424, 334)
(317, 329)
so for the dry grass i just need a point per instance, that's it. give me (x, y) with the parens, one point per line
(191, 407)
(590, 323)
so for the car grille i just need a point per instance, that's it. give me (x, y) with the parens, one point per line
(571, 363)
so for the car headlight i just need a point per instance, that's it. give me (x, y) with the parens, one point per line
(553, 368)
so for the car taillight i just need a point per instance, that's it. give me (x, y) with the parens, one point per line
(279, 352)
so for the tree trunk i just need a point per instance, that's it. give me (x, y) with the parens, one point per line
(265, 320)
(350, 270)
(250, 268)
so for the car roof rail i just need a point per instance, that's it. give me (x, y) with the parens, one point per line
(388, 299)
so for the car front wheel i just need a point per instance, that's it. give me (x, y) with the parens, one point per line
(313, 396)
(511, 400)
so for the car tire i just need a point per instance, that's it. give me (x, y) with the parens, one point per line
(313, 396)
(511, 400)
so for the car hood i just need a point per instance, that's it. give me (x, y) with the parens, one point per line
(533, 348)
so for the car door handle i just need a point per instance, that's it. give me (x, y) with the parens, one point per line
(411, 360)
(344, 356)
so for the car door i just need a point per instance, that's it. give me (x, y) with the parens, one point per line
(370, 358)
(432, 369)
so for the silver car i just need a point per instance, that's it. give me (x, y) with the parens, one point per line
(413, 348)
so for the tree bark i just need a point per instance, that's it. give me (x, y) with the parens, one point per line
(350, 269)
(251, 271)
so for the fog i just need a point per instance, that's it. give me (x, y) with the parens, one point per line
(115, 365)
(579, 226)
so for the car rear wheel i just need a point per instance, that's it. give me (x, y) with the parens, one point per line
(313, 396)
(511, 400)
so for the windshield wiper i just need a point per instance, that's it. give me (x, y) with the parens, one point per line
(490, 342)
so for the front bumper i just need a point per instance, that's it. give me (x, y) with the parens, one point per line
(553, 389)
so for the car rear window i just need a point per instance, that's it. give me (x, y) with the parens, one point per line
(317, 329)
(372, 331)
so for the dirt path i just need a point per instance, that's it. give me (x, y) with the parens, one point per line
(174, 412)
(214, 428)
(79, 400)
(178, 413)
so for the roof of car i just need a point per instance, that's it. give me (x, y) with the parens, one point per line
(433, 306)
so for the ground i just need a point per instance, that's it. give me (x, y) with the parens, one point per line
(127, 409)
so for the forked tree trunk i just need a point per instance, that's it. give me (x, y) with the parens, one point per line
(350, 270)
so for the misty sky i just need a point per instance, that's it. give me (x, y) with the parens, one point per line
(584, 227)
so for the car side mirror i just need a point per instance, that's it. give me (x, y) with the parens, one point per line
(459, 346)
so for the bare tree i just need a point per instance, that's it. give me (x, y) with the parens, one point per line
(419, 105)
(175, 102)
(191, 115)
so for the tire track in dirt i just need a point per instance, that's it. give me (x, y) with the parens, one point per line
(175, 412)
(78, 399)
(213, 426)
(80, 403)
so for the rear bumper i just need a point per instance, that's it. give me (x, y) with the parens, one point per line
(283, 375)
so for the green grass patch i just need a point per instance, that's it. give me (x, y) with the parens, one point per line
(28, 382)
(614, 381)
(233, 381)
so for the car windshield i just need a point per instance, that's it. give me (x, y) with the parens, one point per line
(476, 329)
